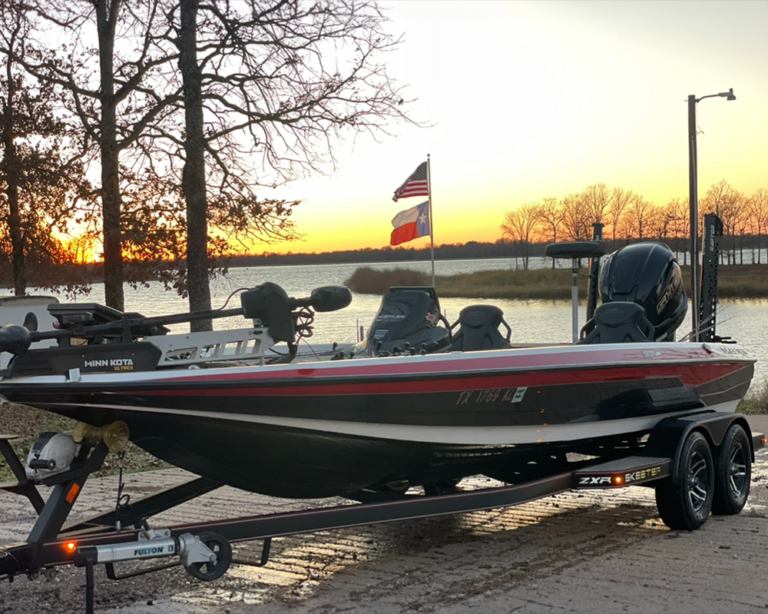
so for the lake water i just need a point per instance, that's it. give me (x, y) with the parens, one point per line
(532, 321)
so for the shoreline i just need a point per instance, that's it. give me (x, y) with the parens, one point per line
(735, 282)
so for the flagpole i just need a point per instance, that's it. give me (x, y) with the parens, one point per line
(431, 231)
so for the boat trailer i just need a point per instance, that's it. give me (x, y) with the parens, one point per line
(698, 463)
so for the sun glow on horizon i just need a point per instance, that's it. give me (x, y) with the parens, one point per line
(521, 101)
(542, 99)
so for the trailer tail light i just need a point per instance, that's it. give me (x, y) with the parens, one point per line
(618, 480)
(70, 547)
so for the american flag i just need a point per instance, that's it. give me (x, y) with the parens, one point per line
(415, 185)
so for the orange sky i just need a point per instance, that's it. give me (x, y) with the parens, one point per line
(535, 99)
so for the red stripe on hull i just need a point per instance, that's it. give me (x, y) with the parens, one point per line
(690, 375)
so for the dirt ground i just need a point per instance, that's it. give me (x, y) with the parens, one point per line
(576, 552)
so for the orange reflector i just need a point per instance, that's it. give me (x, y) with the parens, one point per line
(72, 494)
(765, 441)
(70, 546)
(617, 479)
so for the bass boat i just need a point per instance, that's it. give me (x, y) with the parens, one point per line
(418, 402)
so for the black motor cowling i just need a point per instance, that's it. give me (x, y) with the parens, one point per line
(647, 274)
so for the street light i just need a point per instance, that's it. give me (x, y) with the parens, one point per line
(694, 201)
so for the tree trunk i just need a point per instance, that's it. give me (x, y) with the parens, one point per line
(11, 170)
(193, 179)
(110, 178)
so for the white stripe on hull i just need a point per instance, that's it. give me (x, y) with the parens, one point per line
(455, 435)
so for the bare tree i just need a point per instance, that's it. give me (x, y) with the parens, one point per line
(520, 226)
(575, 218)
(638, 215)
(114, 104)
(728, 205)
(597, 201)
(620, 198)
(758, 208)
(41, 178)
(279, 79)
(658, 223)
(678, 211)
(193, 182)
(550, 217)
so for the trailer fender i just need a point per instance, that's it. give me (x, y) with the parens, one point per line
(667, 437)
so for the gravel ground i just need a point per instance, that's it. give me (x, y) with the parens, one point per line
(576, 552)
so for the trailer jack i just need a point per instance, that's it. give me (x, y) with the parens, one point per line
(206, 556)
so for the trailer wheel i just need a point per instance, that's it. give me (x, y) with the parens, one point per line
(733, 472)
(212, 571)
(684, 504)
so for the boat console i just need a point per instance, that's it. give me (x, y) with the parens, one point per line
(406, 323)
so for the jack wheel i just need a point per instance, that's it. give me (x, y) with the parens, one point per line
(213, 570)
(733, 472)
(685, 504)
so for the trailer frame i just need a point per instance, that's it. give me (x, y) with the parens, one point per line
(50, 544)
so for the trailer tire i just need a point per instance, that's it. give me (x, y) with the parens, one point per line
(684, 504)
(733, 472)
(212, 571)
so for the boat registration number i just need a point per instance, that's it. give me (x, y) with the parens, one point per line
(491, 395)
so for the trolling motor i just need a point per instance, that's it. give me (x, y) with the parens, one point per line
(272, 307)
(95, 338)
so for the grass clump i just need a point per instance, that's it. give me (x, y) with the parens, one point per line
(546, 284)
(748, 281)
(743, 281)
(366, 280)
(28, 424)
(756, 401)
(533, 284)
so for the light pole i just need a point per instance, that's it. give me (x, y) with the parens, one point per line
(693, 198)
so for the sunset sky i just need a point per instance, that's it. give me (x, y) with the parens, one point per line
(536, 99)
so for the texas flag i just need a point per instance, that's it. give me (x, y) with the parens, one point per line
(410, 224)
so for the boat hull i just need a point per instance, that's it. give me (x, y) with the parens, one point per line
(322, 429)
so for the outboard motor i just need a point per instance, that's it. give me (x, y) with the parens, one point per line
(406, 322)
(479, 329)
(645, 275)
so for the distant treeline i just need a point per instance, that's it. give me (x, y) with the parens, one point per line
(628, 217)
(472, 250)
(467, 251)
